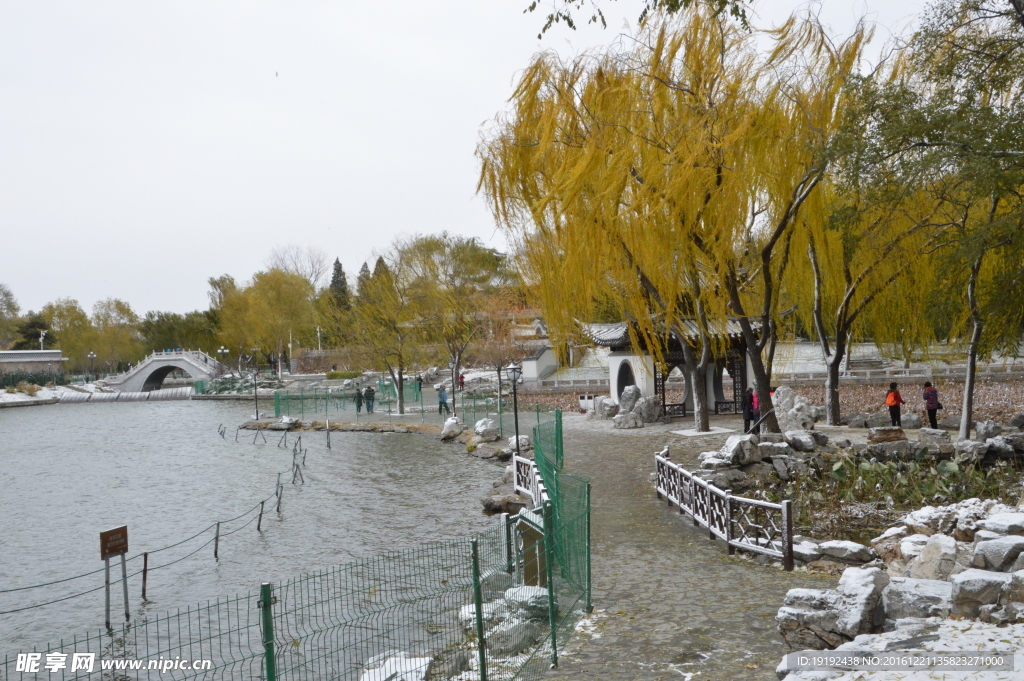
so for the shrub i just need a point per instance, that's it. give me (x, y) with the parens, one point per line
(341, 375)
(29, 389)
(11, 389)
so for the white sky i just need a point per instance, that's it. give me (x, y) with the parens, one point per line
(146, 146)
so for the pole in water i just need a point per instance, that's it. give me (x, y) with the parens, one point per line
(106, 583)
(145, 573)
(216, 542)
(280, 493)
(124, 584)
(259, 523)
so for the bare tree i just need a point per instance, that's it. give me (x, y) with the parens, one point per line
(309, 262)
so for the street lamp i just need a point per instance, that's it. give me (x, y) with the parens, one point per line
(223, 353)
(255, 373)
(92, 361)
(451, 365)
(513, 373)
(42, 335)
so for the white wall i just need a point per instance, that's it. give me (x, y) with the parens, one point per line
(643, 372)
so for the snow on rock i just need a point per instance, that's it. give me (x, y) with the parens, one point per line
(800, 440)
(452, 428)
(396, 667)
(847, 551)
(487, 430)
(912, 546)
(975, 588)
(906, 597)
(529, 601)
(936, 561)
(524, 443)
(1003, 523)
(627, 400)
(824, 618)
(741, 449)
(931, 436)
(997, 554)
(929, 520)
(626, 420)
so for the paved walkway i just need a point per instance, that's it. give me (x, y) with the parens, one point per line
(669, 602)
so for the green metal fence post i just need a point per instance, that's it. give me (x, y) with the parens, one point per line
(549, 559)
(277, 404)
(590, 599)
(267, 608)
(558, 439)
(479, 602)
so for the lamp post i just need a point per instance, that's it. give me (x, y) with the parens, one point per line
(222, 353)
(255, 373)
(513, 373)
(92, 362)
(42, 335)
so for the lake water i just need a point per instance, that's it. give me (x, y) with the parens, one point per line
(67, 472)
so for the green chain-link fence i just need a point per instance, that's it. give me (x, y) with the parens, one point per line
(498, 606)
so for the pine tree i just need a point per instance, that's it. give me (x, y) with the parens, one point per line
(339, 287)
(363, 280)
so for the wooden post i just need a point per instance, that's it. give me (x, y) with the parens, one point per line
(280, 493)
(216, 541)
(106, 584)
(259, 522)
(124, 584)
(145, 573)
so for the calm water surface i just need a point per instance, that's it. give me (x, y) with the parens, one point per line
(68, 472)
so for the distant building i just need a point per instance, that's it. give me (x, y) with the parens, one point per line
(49, 362)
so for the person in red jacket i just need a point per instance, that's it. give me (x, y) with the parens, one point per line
(893, 401)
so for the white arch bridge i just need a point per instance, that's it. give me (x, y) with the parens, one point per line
(149, 374)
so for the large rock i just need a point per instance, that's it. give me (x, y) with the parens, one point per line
(781, 465)
(626, 420)
(648, 409)
(491, 614)
(912, 546)
(886, 434)
(714, 461)
(854, 420)
(905, 597)
(1003, 523)
(975, 588)
(1013, 590)
(524, 443)
(998, 554)
(910, 420)
(932, 436)
(792, 411)
(452, 428)
(808, 619)
(1000, 447)
(820, 438)
(769, 450)
(887, 545)
(530, 602)
(987, 429)
(1015, 440)
(930, 520)
(608, 409)
(742, 449)
(512, 638)
(900, 450)
(806, 551)
(1017, 421)
(971, 450)
(847, 551)
(800, 440)
(487, 430)
(879, 419)
(936, 561)
(628, 398)
(861, 591)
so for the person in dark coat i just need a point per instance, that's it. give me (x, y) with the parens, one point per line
(747, 404)
(442, 401)
(931, 403)
(368, 396)
(359, 400)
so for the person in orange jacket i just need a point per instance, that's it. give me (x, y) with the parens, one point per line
(893, 401)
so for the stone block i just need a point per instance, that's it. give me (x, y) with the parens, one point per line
(910, 420)
(627, 420)
(912, 546)
(929, 520)
(998, 554)
(648, 409)
(936, 561)
(847, 551)
(975, 588)
(932, 436)
(970, 449)
(487, 430)
(886, 434)
(530, 602)
(800, 440)
(905, 597)
(1003, 523)
(1000, 447)
(741, 449)
(1013, 591)
(512, 638)
(628, 398)
(452, 429)
(987, 429)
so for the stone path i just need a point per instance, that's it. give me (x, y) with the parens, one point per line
(669, 602)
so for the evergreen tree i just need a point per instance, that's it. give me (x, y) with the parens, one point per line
(28, 333)
(339, 287)
(363, 280)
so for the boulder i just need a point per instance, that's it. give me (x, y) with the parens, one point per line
(1017, 421)
(800, 440)
(530, 602)
(741, 449)
(628, 398)
(998, 554)
(491, 614)
(847, 551)
(854, 420)
(727, 478)
(899, 450)
(932, 436)
(781, 465)
(1003, 523)
(905, 597)
(936, 561)
(808, 619)
(886, 434)
(627, 420)
(769, 450)
(820, 438)
(648, 409)
(452, 428)
(910, 420)
(929, 520)
(608, 409)
(1015, 440)
(861, 591)
(524, 443)
(511, 638)
(841, 442)
(970, 449)
(806, 551)
(495, 584)
(951, 422)
(879, 419)
(1013, 590)
(986, 535)
(760, 470)
(887, 545)
(487, 430)
(912, 546)
(1000, 447)
(714, 461)
(975, 588)
(987, 429)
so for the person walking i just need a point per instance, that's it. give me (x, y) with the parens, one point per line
(370, 394)
(893, 401)
(755, 412)
(931, 403)
(359, 400)
(747, 405)
(442, 401)
(462, 382)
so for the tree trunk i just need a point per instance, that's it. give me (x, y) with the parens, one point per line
(967, 414)
(832, 412)
(401, 390)
(699, 385)
(762, 384)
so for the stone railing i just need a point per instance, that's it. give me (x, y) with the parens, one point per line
(747, 524)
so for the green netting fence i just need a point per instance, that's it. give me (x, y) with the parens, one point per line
(497, 606)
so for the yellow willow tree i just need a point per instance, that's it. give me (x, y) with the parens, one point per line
(667, 177)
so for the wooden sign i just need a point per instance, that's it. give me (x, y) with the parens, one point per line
(114, 542)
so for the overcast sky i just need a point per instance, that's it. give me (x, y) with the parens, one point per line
(146, 146)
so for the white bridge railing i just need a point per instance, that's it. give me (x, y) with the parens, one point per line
(527, 480)
(747, 524)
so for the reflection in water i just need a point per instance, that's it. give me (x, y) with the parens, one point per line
(68, 472)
